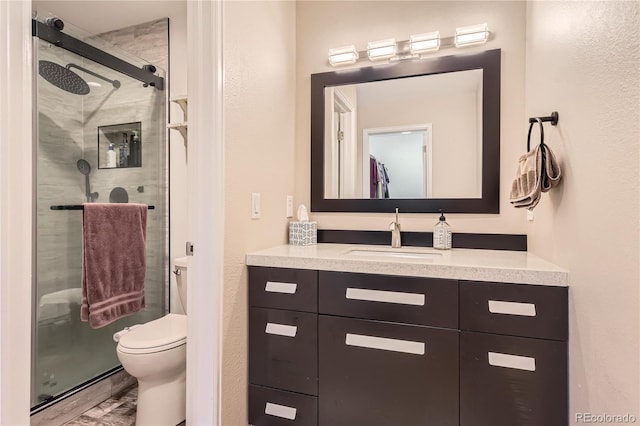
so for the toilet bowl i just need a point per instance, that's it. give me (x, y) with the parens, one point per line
(155, 353)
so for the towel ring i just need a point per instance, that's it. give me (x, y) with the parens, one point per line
(539, 121)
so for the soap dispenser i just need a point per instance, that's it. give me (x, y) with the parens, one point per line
(442, 234)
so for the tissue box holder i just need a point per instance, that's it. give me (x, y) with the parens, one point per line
(303, 233)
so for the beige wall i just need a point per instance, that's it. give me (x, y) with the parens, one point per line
(583, 60)
(259, 98)
(323, 25)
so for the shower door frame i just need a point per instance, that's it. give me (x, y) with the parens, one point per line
(144, 74)
(72, 44)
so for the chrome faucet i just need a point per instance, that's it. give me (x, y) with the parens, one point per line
(395, 232)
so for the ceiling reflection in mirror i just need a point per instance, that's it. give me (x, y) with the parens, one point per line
(405, 138)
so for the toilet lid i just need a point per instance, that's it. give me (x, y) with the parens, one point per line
(157, 335)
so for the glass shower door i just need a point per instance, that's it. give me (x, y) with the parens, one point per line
(74, 135)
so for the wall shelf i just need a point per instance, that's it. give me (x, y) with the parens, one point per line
(182, 126)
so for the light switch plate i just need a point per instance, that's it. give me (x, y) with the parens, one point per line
(289, 206)
(255, 205)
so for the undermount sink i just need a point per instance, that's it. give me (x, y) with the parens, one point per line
(394, 253)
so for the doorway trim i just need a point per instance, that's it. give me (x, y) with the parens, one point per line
(427, 158)
(16, 204)
(205, 210)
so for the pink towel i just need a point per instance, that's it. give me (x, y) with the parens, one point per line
(114, 261)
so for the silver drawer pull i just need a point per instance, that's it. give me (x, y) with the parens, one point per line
(512, 308)
(386, 296)
(278, 410)
(385, 344)
(281, 329)
(512, 361)
(277, 287)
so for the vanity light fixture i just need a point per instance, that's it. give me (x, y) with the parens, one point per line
(346, 55)
(474, 34)
(415, 47)
(382, 49)
(424, 43)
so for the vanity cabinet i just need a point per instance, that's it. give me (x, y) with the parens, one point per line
(344, 349)
(283, 347)
(513, 354)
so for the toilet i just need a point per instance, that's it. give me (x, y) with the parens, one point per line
(155, 353)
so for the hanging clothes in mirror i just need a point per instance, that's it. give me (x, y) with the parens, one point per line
(374, 177)
(378, 179)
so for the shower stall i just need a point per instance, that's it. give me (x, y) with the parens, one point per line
(99, 136)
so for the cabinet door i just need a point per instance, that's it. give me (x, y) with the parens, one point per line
(512, 381)
(377, 373)
(273, 407)
(283, 350)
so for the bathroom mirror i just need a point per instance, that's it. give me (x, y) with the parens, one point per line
(120, 145)
(419, 135)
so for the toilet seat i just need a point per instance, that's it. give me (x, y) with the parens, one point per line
(158, 335)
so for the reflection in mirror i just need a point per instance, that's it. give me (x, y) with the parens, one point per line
(417, 137)
(399, 163)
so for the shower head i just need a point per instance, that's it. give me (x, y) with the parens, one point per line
(68, 80)
(83, 166)
(63, 78)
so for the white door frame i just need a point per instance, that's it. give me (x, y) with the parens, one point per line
(206, 211)
(16, 211)
(347, 162)
(427, 158)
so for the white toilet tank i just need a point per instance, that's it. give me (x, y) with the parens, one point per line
(180, 269)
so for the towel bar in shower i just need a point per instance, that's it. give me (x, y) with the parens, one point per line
(80, 207)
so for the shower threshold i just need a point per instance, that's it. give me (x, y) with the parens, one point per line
(61, 408)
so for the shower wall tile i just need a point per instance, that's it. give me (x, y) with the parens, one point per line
(147, 41)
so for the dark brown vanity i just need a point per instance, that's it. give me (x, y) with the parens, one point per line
(342, 349)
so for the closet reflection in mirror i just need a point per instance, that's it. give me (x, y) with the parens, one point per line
(120, 145)
(405, 138)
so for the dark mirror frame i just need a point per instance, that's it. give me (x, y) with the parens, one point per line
(489, 61)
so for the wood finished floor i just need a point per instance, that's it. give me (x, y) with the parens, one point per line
(119, 410)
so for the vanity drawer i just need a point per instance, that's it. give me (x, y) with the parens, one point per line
(283, 349)
(293, 289)
(512, 381)
(514, 309)
(380, 374)
(273, 407)
(426, 301)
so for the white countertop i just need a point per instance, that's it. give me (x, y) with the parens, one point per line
(463, 264)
